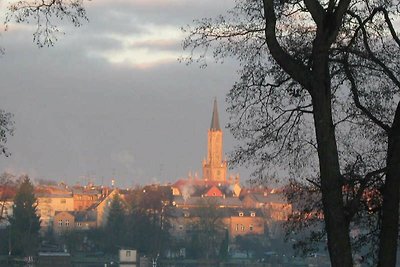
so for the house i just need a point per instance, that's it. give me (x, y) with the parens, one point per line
(74, 220)
(245, 222)
(255, 200)
(277, 208)
(238, 221)
(85, 197)
(274, 203)
(85, 220)
(192, 202)
(63, 221)
(51, 199)
(213, 191)
(102, 208)
(128, 257)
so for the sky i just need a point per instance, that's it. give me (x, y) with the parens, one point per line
(110, 99)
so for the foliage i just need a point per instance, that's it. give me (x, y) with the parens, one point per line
(224, 247)
(25, 223)
(132, 223)
(251, 244)
(207, 230)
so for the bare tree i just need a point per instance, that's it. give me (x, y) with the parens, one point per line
(46, 16)
(315, 96)
(6, 130)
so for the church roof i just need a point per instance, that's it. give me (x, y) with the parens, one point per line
(215, 119)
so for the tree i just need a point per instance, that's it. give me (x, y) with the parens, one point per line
(250, 244)
(25, 223)
(224, 247)
(207, 229)
(7, 191)
(45, 14)
(298, 62)
(115, 228)
(6, 130)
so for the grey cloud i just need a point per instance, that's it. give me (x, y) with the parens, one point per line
(75, 113)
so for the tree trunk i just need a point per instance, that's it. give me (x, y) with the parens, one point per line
(336, 224)
(390, 207)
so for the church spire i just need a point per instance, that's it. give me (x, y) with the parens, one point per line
(214, 166)
(215, 119)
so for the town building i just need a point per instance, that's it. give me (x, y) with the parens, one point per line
(50, 200)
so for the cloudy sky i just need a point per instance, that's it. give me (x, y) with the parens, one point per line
(110, 98)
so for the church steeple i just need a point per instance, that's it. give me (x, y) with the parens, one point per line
(214, 167)
(215, 119)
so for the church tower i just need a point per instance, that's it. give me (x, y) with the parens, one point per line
(214, 167)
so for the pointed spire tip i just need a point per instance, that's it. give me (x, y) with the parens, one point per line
(215, 118)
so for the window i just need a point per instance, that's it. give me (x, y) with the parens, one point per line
(60, 223)
(79, 224)
(240, 214)
(237, 227)
(181, 227)
(67, 223)
(251, 227)
(253, 214)
(242, 228)
(128, 253)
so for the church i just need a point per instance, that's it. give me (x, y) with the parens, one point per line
(214, 180)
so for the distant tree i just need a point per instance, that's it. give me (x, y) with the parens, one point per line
(207, 229)
(74, 240)
(224, 247)
(25, 223)
(251, 244)
(115, 228)
(7, 191)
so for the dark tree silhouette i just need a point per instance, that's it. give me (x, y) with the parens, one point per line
(25, 223)
(46, 15)
(318, 93)
(6, 130)
(115, 228)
